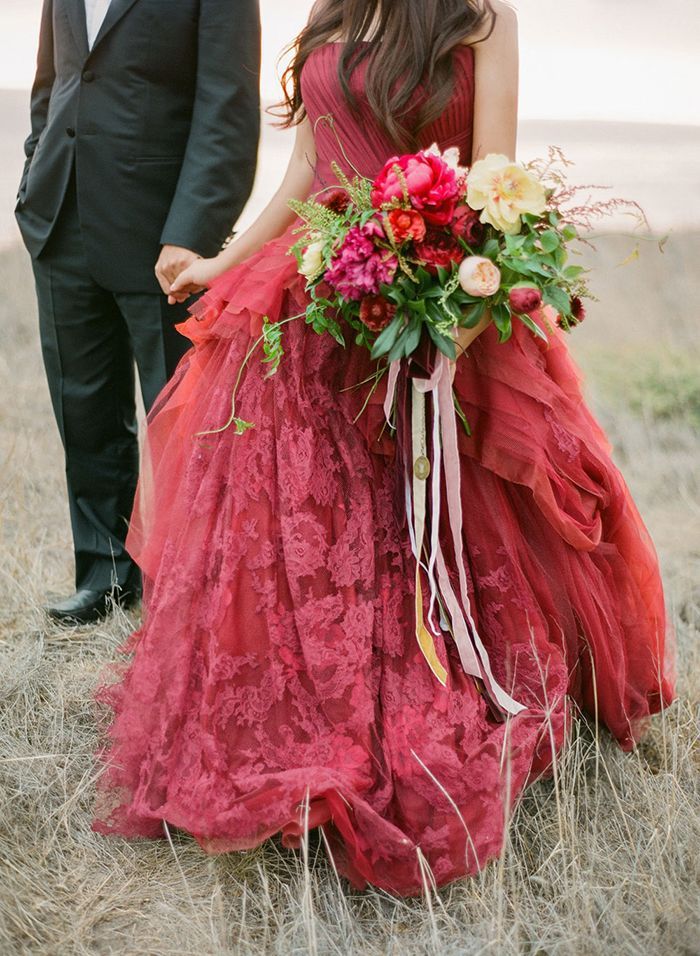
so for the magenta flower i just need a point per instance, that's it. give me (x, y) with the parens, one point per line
(360, 267)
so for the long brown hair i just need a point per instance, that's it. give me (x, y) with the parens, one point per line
(406, 42)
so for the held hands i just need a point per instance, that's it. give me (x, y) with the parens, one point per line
(198, 275)
(171, 262)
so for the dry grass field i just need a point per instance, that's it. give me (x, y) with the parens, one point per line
(603, 859)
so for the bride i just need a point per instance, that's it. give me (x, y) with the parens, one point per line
(276, 685)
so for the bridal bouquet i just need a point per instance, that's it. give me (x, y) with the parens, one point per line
(405, 261)
(431, 246)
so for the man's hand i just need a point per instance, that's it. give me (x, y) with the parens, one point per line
(173, 260)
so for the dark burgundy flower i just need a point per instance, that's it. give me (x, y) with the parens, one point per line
(406, 224)
(578, 309)
(578, 313)
(525, 300)
(376, 312)
(439, 249)
(467, 225)
(336, 200)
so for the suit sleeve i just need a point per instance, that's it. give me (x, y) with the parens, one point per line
(43, 84)
(221, 155)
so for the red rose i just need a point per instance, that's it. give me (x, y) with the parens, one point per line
(431, 185)
(525, 300)
(467, 225)
(406, 224)
(336, 199)
(439, 249)
(376, 312)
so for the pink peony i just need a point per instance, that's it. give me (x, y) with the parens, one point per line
(360, 267)
(525, 300)
(432, 186)
(439, 249)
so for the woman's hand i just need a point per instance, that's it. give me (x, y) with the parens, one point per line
(195, 278)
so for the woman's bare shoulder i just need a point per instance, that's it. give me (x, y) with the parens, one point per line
(499, 30)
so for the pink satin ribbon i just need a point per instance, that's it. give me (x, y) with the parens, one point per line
(445, 461)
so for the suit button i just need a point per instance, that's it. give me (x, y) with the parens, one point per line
(70, 132)
(88, 76)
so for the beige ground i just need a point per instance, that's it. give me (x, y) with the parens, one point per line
(602, 860)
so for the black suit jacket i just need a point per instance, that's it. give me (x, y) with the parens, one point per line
(161, 119)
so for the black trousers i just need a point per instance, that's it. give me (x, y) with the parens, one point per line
(90, 338)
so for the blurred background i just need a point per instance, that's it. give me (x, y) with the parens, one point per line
(614, 82)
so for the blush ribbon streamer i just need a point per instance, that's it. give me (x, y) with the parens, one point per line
(455, 613)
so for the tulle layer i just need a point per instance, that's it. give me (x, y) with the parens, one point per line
(277, 682)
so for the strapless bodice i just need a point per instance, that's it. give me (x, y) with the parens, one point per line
(356, 140)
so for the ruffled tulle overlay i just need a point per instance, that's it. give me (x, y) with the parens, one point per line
(277, 681)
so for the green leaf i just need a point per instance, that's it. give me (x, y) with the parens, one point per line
(417, 306)
(413, 337)
(530, 267)
(386, 339)
(472, 318)
(453, 310)
(397, 351)
(336, 332)
(502, 321)
(533, 327)
(557, 298)
(573, 272)
(241, 426)
(549, 240)
(446, 345)
(394, 293)
(491, 248)
(460, 414)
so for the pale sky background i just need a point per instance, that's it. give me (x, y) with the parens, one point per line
(592, 71)
(581, 59)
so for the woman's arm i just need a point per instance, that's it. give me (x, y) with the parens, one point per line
(495, 105)
(272, 222)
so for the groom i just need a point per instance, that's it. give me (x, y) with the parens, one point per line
(145, 124)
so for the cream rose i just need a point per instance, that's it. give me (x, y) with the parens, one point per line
(504, 190)
(312, 260)
(479, 276)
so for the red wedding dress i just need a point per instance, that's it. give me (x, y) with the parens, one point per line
(277, 682)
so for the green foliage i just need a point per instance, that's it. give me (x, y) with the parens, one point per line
(241, 426)
(538, 256)
(272, 346)
(663, 385)
(317, 216)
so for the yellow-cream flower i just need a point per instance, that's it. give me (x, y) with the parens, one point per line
(504, 190)
(312, 260)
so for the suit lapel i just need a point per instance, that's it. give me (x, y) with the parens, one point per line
(75, 10)
(116, 11)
